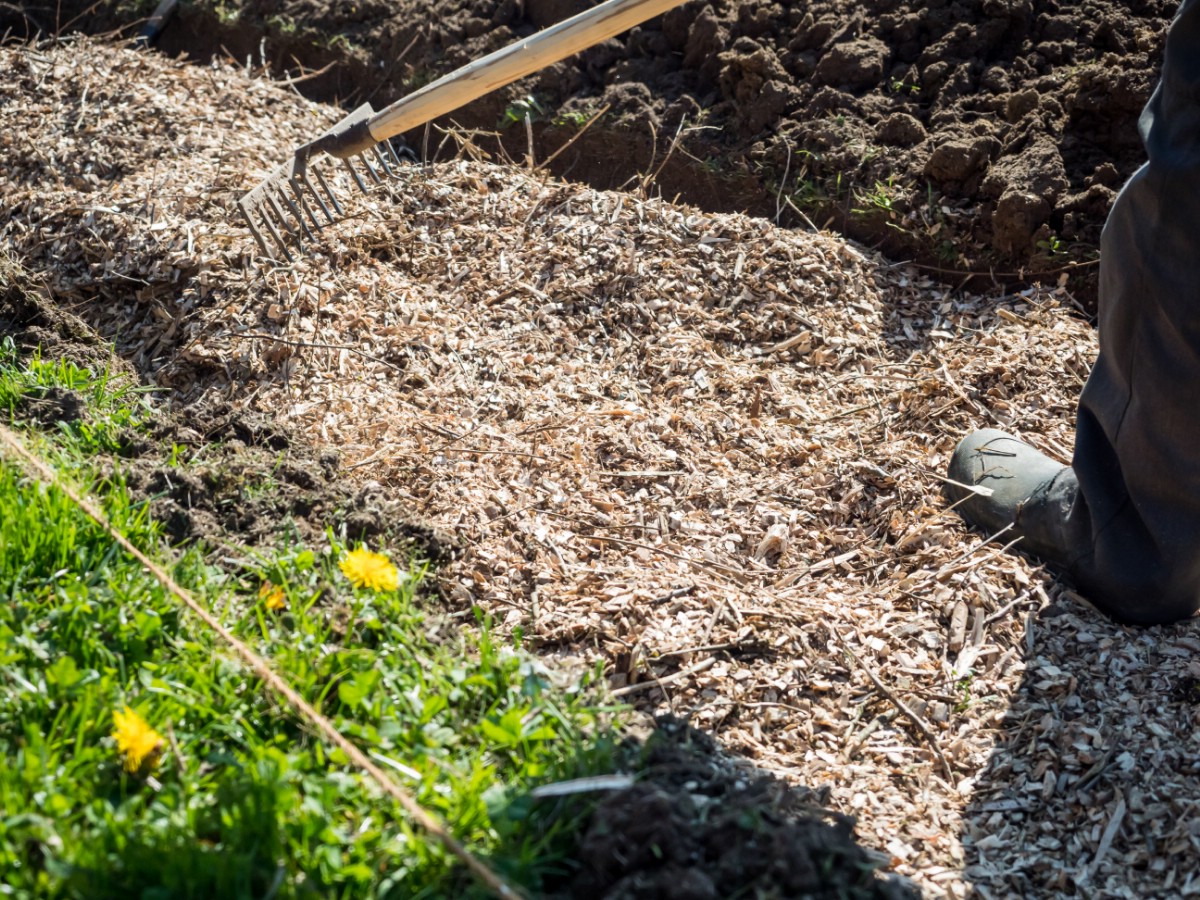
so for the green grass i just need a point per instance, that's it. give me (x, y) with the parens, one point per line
(114, 406)
(245, 801)
(526, 108)
(879, 199)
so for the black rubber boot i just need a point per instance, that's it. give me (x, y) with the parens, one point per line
(1012, 491)
(1124, 518)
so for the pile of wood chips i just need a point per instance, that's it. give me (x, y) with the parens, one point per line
(703, 448)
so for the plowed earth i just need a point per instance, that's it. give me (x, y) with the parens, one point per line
(973, 136)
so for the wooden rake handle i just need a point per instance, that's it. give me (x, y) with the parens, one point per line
(493, 71)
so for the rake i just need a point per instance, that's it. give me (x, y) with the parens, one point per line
(287, 202)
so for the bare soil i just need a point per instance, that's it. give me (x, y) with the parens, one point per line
(976, 137)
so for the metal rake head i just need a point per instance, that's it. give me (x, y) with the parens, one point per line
(286, 203)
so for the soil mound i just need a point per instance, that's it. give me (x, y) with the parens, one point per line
(699, 827)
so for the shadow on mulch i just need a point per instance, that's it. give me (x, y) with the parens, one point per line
(245, 481)
(1088, 792)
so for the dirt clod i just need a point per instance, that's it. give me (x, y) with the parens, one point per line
(697, 827)
(51, 406)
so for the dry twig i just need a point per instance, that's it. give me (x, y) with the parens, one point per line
(918, 722)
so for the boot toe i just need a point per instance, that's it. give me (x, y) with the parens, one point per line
(992, 474)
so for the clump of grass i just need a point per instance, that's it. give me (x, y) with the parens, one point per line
(527, 108)
(241, 799)
(113, 405)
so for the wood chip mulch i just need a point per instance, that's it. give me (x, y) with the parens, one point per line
(699, 447)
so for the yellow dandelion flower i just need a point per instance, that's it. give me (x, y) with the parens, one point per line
(370, 570)
(272, 596)
(140, 744)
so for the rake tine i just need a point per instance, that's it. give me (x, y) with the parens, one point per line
(304, 229)
(277, 237)
(264, 214)
(404, 153)
(370, 168)
(383, 161)
(305, 207)
(320, 202)
(280, 215)
(349, 168)
(260, 207)
(293, 225)
(254, 230)
(329, 193)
